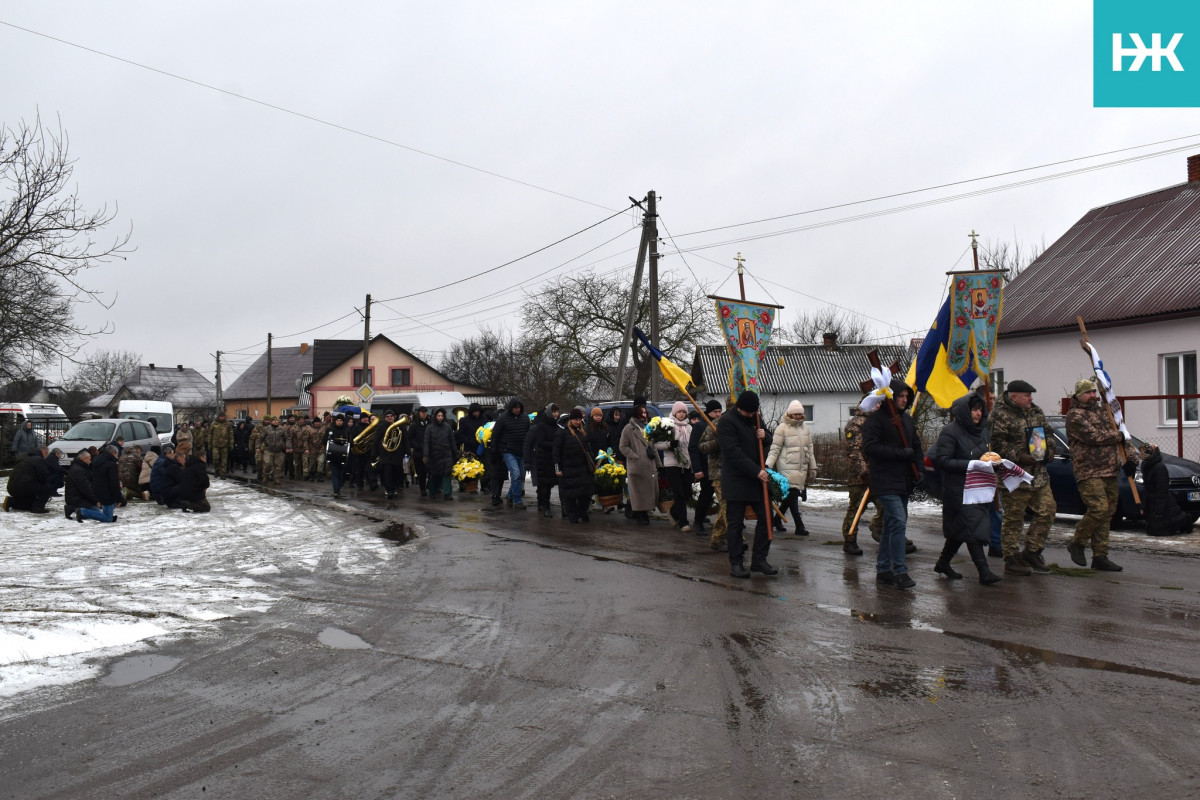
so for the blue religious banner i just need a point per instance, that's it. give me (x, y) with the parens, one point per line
(975, 300)
(746, 328)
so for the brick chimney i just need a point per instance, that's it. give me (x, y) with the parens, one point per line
(1193, 168)
(830, 340)
(304, 348)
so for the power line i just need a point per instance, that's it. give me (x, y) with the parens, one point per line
(962, 182)
(302, 115)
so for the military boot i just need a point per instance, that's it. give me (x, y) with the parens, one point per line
(1078, 554)
(1102, 564)
(850, 547)
(1014, 565)
(1033, 559)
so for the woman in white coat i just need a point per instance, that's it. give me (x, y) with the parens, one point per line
(792, 454)
(677, 465)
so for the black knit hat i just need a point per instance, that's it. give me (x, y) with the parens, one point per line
(748, 401)
(1020, 386)
(712, 405)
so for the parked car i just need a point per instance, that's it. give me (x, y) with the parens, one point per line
(99, 432)
(625, 407)
(1185, 480)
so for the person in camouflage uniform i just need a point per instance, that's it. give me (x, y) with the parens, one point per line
(200, 437)
(256, 434)
(711, 448)
(274, 444)
(1095, 440)
(856, 467)
(220, 439)
(129, 470)
(289, 428)
(314, 440)
(1018, 431)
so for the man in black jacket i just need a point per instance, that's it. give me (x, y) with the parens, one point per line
(81, 499)
(193, 481)
(29, 485)
(416, 436)
(742, 480)
(508, 437)
(106, 481)
(895, 463)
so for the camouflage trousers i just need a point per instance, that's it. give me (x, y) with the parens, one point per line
(720, 524)
(1101, 496)
(856, 495)
(272, 469)
(310, 464)
(1040, 502)
(258, 461)
(220, 461)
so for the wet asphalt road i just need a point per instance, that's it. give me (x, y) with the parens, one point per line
(511, 656)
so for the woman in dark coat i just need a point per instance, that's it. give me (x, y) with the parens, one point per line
(598, 438)
(440, 451)
(575, 468)
(964, 440)
(539, 452)
(1163, 515)
(193, 481)
(241, 446)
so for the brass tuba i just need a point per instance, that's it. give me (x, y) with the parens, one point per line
(362, 443)
(393, 434)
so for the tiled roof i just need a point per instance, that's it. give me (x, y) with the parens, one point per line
(799, 369)
(287, 364)
(329, 354)
(1131, 260)
(189, 389)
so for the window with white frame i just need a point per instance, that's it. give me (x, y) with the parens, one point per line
(1179, 377)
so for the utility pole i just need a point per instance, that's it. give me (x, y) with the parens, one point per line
(619, 378)
(366, 369)
(268, 375)
(220, 403)
(652, 236)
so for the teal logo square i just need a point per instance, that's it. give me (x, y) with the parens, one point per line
(1145, 54)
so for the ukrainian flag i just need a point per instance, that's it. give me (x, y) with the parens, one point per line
(672, 372)
(930, 372)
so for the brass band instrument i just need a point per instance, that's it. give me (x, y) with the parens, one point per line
(362, 443)
(394, 433)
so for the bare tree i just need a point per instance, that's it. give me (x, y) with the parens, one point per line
(488, 360)
(531, 368)
(46, 243)
(101, 370)
(810, 327)
(584, 316)
(1012, 257)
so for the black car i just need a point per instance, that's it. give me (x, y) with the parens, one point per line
(1185, 480)
(624, 406)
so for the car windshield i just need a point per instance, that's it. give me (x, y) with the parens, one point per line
(160, 421)
(90, 431)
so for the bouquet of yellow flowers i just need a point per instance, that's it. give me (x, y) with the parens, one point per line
(467, 468)
(484, 434)
(657, 430)
(610, 479)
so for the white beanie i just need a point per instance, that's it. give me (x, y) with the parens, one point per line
(795, 407)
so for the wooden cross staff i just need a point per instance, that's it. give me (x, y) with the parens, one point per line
(1083, 342)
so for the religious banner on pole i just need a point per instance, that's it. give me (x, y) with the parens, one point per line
(747, 330)
(975, 301)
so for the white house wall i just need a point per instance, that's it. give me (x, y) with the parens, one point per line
(1131, 354)
(831, 410)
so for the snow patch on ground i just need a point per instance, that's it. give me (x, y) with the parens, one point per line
(73, 595)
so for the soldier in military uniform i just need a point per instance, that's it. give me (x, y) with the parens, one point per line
(256, 437)
(711, 449)
(289, 459)
(274, 444)
(1018, 432)
(200, 438)
(220, 438)
(856, 466)
(314, 442)
(1095, 442)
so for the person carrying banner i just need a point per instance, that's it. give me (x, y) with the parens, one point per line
(742, 480)
(857, 482)
(1095, 442)
(1019, 433)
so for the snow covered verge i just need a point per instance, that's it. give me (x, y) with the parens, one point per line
(73, 595)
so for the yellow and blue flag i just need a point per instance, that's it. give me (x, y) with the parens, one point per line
(930, 371)
(673, 373)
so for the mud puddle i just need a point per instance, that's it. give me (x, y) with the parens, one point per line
(341, 640)
(138, 668)
(398, 533)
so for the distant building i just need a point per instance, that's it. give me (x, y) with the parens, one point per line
(825, 378)
(190, 392)
(1131, 270)
(337, 370)
(291, 372)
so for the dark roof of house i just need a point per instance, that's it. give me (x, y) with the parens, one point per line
(329, 354)
(799, 368)
(188, 388)
(287, 365)
(1129, 261)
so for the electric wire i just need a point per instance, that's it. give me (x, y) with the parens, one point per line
(302, 115)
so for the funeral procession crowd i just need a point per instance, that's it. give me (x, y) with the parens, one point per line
(716, 463)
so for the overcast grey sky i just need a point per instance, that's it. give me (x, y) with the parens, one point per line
(247, 219)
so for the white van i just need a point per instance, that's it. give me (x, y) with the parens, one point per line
(158, 413)
(48, 420)
(408, 402)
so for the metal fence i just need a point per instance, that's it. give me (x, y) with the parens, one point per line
(47, 432)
